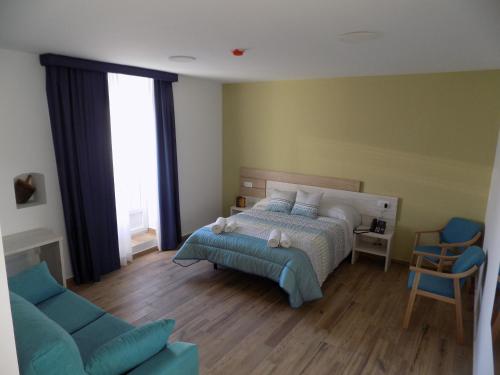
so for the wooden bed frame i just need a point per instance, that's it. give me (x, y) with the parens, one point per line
(259, 178)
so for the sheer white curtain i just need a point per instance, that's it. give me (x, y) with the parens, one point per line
(133, 134)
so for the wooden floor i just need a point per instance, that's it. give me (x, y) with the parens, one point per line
(140, 238)
(243, 324)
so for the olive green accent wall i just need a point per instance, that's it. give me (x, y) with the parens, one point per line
(428, 139)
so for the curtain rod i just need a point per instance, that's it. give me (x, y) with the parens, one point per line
(49, 59)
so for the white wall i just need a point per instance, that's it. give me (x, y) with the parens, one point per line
(7, 342)
(26, 145)
(198, 121)
(483, 350)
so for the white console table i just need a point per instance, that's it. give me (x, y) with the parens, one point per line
(46, 243)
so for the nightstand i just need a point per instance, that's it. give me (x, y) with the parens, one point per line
(236, 210)
(373, 243)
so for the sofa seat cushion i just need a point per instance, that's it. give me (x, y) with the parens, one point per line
(97, 333)
(130, 349)
(176, 358)
(36, 284)
(43, 347)
(70, 311)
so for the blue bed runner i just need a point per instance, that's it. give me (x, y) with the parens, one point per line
(291, 267)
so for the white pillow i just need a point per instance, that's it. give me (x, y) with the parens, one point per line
(343, 212)
(307, 204)
(281, 201)
(262, 204)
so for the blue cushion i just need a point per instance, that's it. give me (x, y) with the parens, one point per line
(36, 284)
(97, 333)
(301, 209)
(460, 230)
(130, 349)
(473, 256)
(433, 284)
(307, 204)
(177, 358)
(42, 346)
(70, 311)
(281, 201)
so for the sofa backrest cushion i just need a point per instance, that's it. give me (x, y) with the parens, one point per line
(130, 349)
(36, 284)
(70, 311)
(43, 347)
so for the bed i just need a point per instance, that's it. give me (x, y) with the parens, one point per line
(318, 245)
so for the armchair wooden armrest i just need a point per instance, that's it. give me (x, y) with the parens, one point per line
(420, 232)
(429, 231)
(444, 249)
(472, 241)
(456, 244)
(461, 275)
(437, 256)
(446, 245)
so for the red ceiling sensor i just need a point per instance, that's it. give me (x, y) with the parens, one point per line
(238, 52)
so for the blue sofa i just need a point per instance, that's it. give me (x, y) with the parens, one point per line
(59, 332)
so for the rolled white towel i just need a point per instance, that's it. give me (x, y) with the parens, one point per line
(218, 226)
(230, 226)
(285, 240)
(274, 238)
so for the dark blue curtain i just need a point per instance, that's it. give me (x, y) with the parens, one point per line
(49, 59)
(79, 115)
(168, 185)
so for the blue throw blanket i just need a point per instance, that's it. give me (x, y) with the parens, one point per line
(291, 267)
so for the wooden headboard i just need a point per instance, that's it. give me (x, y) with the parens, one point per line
(258, 178)
(335, 190)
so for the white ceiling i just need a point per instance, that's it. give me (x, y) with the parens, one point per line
(287, 39)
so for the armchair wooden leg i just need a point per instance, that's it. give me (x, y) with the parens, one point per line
(468, 285)
(460, 324)
(496, 326)
(409, 309)
(444, 251)
(411, 301)
(413, 295)
(458, 309)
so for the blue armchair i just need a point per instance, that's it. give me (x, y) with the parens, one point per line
(443, 286)
(454, 238)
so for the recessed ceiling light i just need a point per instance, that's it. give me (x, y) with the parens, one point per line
(182, 58)
(359, 36)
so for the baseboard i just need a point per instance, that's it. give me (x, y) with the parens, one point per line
(70, 283)
(144, 252)
(400, 261)
(393, 260)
